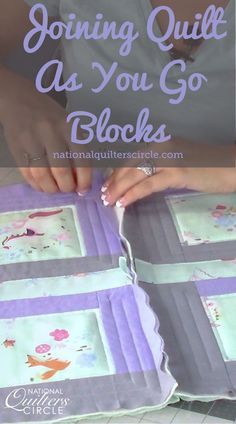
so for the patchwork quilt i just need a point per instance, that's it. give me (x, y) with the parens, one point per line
(101, 319)
(185, 253)
(77, 335)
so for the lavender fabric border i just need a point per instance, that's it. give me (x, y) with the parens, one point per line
(48, 305)
(216, 287)
(120, 315)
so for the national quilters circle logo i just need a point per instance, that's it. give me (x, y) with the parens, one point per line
(37, 401)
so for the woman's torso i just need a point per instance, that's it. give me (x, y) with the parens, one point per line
(207, 115)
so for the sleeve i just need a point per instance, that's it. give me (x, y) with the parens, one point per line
(51, 5)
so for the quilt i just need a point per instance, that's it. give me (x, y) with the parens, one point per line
(185, 254)
(78, 338)
(98, 319)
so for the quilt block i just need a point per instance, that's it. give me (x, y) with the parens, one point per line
(83, 346)
(77, 335)
(185, 259)
(49, 235)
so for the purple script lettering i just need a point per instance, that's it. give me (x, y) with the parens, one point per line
(205, 26)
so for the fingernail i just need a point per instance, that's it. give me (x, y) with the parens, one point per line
(120, 203)
(104, 188)
(103, 197)
(82, 193)
(105, 203)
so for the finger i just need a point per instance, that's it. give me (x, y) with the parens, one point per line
(82, 175)
(62, 174)
(84, 180)
(29, 178)
(64, 179)
(115, 176)
(37, 162)
(121, 185)
(143, 157)
(45, 180)
(159, 182)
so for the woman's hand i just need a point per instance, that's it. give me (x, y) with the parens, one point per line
(128, 185)
(35, 127)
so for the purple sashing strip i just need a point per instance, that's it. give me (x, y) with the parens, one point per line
(91, 243)
(150, 325)
(22, 197)
(47, 305)
(144, 353)
(125, 332)
(127, 340)
(101, 237)
(216, 287)
(113, 335)
(112, 229)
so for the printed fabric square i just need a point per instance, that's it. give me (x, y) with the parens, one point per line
(90, 321)
(221, 313)
(42, 234)
(203, 218)
(53, 348)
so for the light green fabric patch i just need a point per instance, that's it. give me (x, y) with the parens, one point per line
(66, 285)
(204, 218)
(44, 234)
(221, 313)
(179, 273)
(49, 348)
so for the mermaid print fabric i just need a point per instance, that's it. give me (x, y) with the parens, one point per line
(202, 219)
(41, 234)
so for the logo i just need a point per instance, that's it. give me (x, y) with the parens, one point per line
(37, 401)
